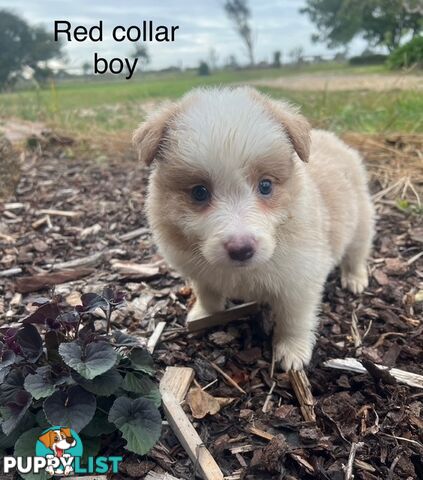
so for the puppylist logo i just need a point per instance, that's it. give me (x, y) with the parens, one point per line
(58, 451)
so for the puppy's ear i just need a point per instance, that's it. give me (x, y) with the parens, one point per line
(47, 439)
(149, 135)
(297, 128)
(294, 124)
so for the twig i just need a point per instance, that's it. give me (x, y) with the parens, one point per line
(155, 337)
(349, 468)
(10, 272)
(302, 389)
(59, 213)
(268, 397)
(261, 433)
(224, 375)
(133, 234)
(88, 261)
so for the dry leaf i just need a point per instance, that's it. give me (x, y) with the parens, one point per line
(381, 277)
(202, 403)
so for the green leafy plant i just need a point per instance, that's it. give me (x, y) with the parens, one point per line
(408, 55)
(58, 368)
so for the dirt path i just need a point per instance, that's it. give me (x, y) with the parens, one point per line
(334, 82)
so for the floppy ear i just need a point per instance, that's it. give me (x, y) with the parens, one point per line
(294, 124)
(66, 432)
(297, 128)
(47, 439)
(149, 135)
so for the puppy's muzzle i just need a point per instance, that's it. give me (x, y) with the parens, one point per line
(241, 248)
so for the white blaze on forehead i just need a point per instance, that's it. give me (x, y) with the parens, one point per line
(224, 130)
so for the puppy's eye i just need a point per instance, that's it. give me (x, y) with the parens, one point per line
(200, 194)
(265, 187)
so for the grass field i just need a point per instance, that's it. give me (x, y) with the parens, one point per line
(117, 106)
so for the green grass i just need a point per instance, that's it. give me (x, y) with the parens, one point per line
(116, 105)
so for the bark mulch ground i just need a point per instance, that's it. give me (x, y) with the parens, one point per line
(68, 209)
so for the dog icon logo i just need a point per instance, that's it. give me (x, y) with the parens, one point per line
(59, 445)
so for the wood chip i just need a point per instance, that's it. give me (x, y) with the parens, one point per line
(136, 270)
(261, 433)
(224, 375)
(302, 389)
(40, 281)
(10, 272)
(160, 476)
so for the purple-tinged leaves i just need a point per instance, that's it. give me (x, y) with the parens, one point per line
(30, 342)
(42, 314)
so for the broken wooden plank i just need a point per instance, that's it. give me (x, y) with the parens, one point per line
(172, 387)
(178, 380)
(353, 365)
(39, 281)
(302, 390)
(155, 337)
(223, 317)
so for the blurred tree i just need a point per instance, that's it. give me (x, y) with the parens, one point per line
(296, 55)
(380, 22)
(141, 52)
(240, 14)
(277, 58)
(203, 69)
(86, 67)
(24, 46)
(213, 58)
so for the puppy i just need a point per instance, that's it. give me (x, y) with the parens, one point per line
(58, 440)
(248, 202)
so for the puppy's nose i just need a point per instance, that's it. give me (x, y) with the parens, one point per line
(241, 248)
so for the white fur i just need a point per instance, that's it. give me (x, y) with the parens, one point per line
(328, 219)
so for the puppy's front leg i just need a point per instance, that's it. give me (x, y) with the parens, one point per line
(207, 301)
(294, 330)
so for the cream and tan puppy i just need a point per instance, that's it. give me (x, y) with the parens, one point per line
(248, 202)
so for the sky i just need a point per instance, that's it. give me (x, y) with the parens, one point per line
(203, 25)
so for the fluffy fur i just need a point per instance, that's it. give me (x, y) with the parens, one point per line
(318, 215)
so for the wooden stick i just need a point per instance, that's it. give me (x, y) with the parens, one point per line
(59, 213)
(268, 397)
(173, 388)
(155, 337)
(224, 317)
(302, 389)
(87, 261)
(10, 272)
(133, 234)
(349, 467)
(353, 365)
(261, 433)
(224, 375)
(177, 380)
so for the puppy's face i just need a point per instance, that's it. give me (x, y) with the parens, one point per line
(223, 177)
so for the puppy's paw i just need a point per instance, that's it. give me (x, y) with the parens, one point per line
(356, 282)
(294, 353)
